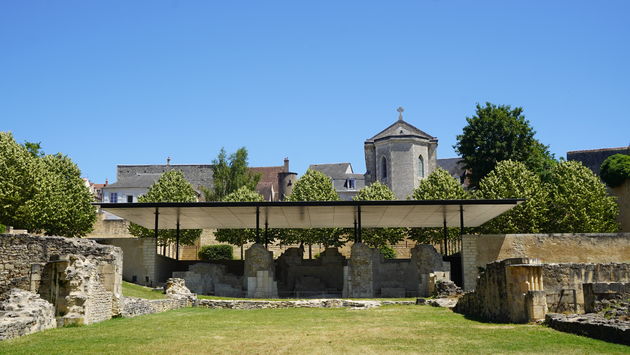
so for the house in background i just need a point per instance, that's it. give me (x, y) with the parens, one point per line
(344, 180)
(594, 158)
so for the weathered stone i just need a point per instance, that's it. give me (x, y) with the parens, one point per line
(23, 312)
(314, 303)
(591, 325)
(360, 275)
(175, 288)
(449, 302)
(133, 307)
(259, 273)
(447, 288)
(431, 268)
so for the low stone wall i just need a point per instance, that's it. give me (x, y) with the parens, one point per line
(591, 325)
(133, 307)
(479, 250)
(314, 303)
(595, 293)
(23, 312)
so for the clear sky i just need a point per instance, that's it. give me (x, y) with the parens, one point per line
(132, 82)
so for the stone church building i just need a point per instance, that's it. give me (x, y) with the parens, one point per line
(399, 156)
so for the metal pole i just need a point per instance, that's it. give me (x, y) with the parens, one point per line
(266, 234)
(257, 224)
(177, 240)
(356, 237)
(445, 237)
(157, 214)
(359, 225)
(461, 220)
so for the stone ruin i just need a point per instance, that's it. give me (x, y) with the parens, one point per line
(53, 281)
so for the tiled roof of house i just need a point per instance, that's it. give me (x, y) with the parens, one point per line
(335, 170)
(453, 166)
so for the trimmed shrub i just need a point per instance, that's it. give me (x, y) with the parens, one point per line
(615, 169)
(387, 251)
(215, 252)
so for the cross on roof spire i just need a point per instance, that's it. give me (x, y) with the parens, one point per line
(400, 111)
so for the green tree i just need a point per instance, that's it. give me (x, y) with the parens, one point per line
(439, 185)
(229, 174)
(19, 171)
(615, 169)
(240, 237)
(511, 179)
(34, 148)
(579, 201)
(42, 193)
(62, 204)
(498, 133)
(314, 186)
(170, 187)
(379, 237)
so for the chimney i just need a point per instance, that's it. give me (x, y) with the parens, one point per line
(286, 164)
(168, 161)
(106, 182)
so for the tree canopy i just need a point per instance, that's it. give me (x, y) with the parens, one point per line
(579, 201)
(229, 174)
(615, 169)
(314, 186)
(497, 133)
(170, 187)
(511, 179)
(42, 193)
(439, 185)
(379, 237)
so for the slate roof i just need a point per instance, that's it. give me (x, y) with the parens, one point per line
(269, 176)
(138, 181)
(452, 166)
(335, 170)
(594, 158)
(401, 128)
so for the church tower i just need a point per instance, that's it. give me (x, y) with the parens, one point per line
(399, 156)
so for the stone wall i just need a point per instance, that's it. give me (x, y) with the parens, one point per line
(80, 279)
(139, 261)
(564, 283)
(24, 312)
(521, 289)
(133, 307)
(479, 250)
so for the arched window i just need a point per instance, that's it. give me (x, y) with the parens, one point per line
(420, 167)
(383, 168)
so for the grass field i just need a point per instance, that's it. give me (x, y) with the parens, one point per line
(385, 330)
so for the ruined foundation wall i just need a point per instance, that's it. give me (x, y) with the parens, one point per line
(479, 250)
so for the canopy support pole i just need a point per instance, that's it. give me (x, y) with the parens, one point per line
(461, 220)
(445, 237)
(155, 230)
(359, 224)
(266, 233)
(257, 224)
(177, 240)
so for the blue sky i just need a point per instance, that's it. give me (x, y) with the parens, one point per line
(132, 82)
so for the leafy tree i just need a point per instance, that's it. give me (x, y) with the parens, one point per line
(240, 237)
(579, 201)
(215, 252)
(34, 148)
(229, 174)
(314, 186)
(379, 237)
(439, 185)
(19, 171)
(42, 193)
(615, 169)
(170, 187)
(498, 133)
(62, 204)
(511, 179)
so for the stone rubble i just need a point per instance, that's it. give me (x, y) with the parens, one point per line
(311, 303)
(23, 312)
(593, 325)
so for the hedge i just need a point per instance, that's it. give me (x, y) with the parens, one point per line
(216, 252)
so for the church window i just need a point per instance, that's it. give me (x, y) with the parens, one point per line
(383, 168)
(420, 166)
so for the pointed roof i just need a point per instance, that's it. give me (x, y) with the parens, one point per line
(400, 128)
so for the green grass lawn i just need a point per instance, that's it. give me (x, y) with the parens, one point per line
(132, 290)
(385, 330)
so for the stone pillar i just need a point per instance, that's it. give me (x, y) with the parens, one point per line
(359, 275)
(431, 268)
(259, 273)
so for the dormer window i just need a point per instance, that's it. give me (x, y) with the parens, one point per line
(350, 184)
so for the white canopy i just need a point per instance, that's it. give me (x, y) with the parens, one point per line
(315, 214)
